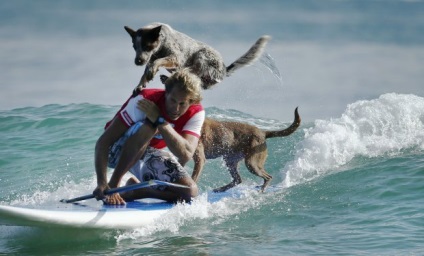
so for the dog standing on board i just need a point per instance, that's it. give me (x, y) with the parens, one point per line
(235, 141)
(158, 45)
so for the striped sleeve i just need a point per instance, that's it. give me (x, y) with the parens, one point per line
(194, 125)
(131, 114)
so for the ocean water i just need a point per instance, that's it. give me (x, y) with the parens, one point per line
(350, 180)
(349, 185)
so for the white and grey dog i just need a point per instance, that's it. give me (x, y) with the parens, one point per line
(158, 45)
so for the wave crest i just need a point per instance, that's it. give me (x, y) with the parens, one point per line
(384, 126)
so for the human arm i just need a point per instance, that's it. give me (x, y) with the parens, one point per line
(131, 150)
(109, 136)
(199, 161)
(182, 146)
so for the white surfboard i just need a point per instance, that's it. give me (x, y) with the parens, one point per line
(132, 215)
(95, 215)
(129, 216)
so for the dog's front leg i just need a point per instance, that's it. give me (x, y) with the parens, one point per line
(146, 77)
(152, 68)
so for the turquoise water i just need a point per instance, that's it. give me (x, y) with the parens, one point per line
(348, 185)
(350, 179)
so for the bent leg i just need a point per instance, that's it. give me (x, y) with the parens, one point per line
(255, 164)
(162, 165)
(132, 150)
(170, 194)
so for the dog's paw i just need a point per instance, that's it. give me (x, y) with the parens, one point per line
(216, 190)
(220, 190)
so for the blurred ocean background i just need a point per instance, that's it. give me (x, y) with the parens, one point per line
(351, 179)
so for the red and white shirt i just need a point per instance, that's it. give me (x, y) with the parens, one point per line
(189, 123)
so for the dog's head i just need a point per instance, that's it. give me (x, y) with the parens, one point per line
(145, 41)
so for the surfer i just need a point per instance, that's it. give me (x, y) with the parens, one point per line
(136, 138)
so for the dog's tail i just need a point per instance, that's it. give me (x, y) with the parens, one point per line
(250, 56)
(286, 132)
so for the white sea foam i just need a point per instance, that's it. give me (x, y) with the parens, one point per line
(207, 207)
(384, 126)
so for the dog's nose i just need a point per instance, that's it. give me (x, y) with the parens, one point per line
(138, 61)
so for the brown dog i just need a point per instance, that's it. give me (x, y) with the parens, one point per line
(235, 141)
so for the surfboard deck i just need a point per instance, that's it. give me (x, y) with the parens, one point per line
(96, 215)
(132, 215)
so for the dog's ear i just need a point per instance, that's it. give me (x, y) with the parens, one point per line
(130, 31)
(155, 32)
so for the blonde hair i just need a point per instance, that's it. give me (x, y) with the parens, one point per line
(187, 82)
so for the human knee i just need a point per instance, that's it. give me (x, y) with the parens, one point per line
(190, 192)
(194, 190)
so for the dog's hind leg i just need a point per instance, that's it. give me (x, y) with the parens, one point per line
(255, 164)
(232, 168)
